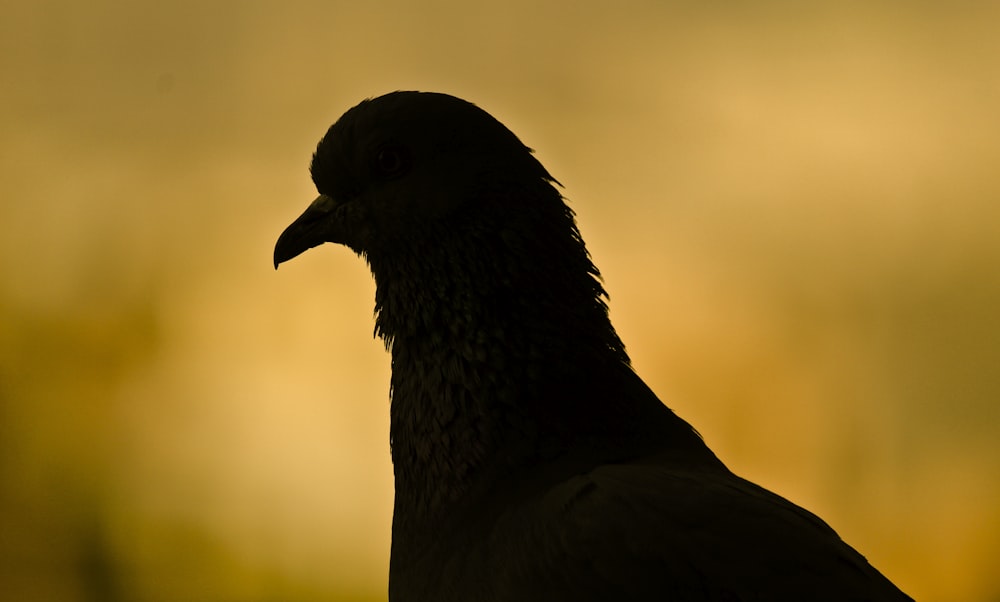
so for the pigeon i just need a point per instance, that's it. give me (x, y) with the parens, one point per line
(530, 461)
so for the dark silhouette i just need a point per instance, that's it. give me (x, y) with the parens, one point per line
(531, 462)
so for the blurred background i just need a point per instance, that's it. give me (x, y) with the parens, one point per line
(795, 207)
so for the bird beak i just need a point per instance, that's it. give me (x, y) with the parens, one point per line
(311, 229)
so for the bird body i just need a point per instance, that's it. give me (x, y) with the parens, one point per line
(530, 461)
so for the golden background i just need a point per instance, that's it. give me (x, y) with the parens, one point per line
(795, 207)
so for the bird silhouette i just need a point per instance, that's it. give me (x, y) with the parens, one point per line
(530, 461)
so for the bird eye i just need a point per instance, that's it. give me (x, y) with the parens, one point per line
(391, 162)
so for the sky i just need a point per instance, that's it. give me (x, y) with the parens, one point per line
(794, 207)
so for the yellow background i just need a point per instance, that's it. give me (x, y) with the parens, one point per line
(794, 204)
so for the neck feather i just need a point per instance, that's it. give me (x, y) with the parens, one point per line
(503, 356)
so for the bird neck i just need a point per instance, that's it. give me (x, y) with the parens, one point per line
(503, 356)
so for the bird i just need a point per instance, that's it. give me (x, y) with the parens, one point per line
(530, 461)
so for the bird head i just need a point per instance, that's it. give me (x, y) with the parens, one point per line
(392, 167)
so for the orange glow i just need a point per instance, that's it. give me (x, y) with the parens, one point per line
(794, 207)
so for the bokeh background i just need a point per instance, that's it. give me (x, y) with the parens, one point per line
(794, 204)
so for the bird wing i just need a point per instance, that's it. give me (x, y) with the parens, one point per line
(652, 532)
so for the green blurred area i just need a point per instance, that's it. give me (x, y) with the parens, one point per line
(794, 206)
